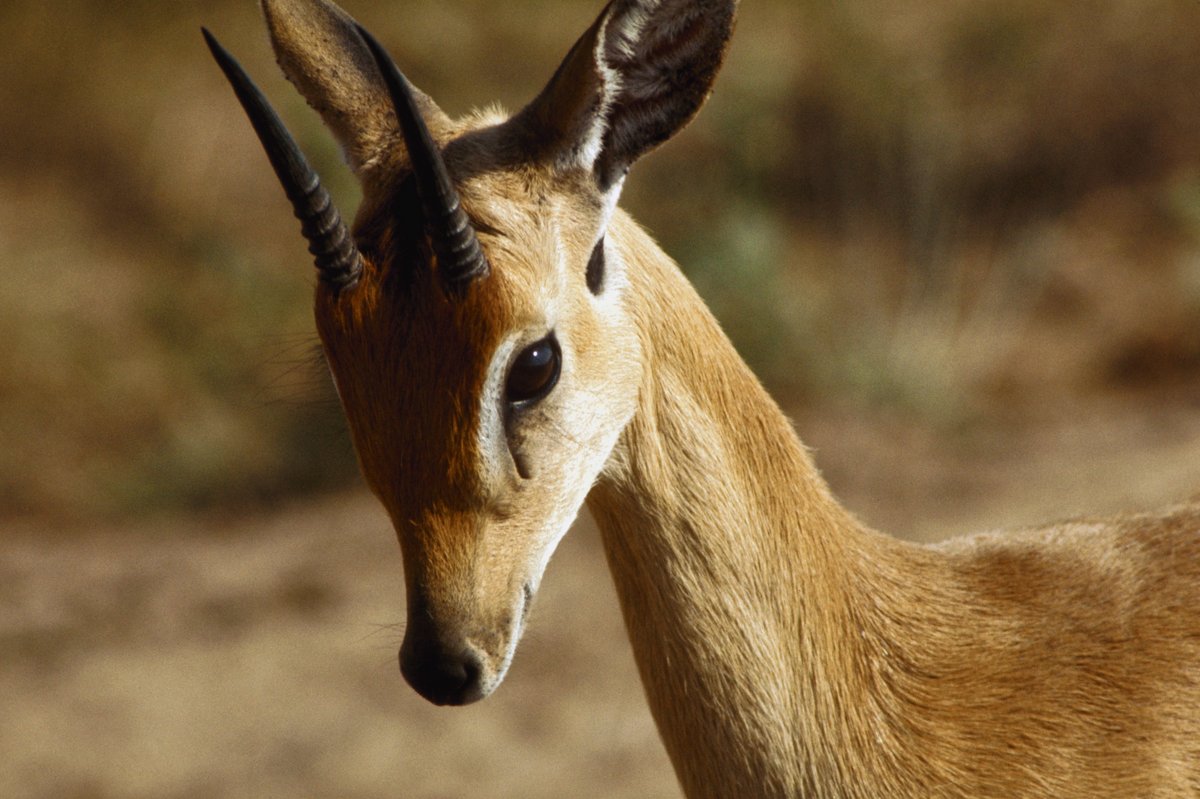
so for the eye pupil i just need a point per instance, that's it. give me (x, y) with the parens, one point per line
(535, 371)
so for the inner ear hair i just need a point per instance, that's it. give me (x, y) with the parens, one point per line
(634, 79)
(661, 59)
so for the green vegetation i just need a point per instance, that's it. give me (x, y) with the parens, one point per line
(929, 206)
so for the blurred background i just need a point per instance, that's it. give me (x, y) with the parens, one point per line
(960, 242)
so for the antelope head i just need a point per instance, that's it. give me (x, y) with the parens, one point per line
(477, 321)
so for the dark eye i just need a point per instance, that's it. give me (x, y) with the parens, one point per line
(534, 372)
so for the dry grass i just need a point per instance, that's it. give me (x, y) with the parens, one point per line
(257, 657)
(920, 206)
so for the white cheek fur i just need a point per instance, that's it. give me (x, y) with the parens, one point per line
(587, 431)
(493, 441)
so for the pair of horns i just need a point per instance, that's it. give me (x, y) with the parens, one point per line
(460, 259)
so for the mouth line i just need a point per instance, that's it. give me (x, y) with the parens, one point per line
(526, 605)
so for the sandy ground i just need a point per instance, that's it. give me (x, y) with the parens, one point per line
(256, 657)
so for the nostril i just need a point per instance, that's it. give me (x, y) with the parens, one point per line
(443, 676)
(471, 667)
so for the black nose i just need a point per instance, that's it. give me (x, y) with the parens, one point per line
(443, 674)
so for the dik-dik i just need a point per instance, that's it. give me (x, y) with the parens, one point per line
(508, 344)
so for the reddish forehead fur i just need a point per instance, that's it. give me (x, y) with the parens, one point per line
(409, 362)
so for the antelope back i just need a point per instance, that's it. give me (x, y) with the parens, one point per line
(482, 410)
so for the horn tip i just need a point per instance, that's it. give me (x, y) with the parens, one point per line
(210, 40)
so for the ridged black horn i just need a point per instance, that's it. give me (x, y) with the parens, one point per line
(339, 263)
(460, 258)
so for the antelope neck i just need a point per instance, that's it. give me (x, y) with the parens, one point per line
(734, 566)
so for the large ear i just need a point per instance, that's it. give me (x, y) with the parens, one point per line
(319, 49)
(634, 79)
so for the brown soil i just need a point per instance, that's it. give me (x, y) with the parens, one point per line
(256, 657)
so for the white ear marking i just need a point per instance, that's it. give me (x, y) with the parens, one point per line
(610, 202)
(633, 80)
(626, 28)
(629, 30)
(610, 84)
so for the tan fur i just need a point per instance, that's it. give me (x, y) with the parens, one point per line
(788, 651)
(785, 649)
